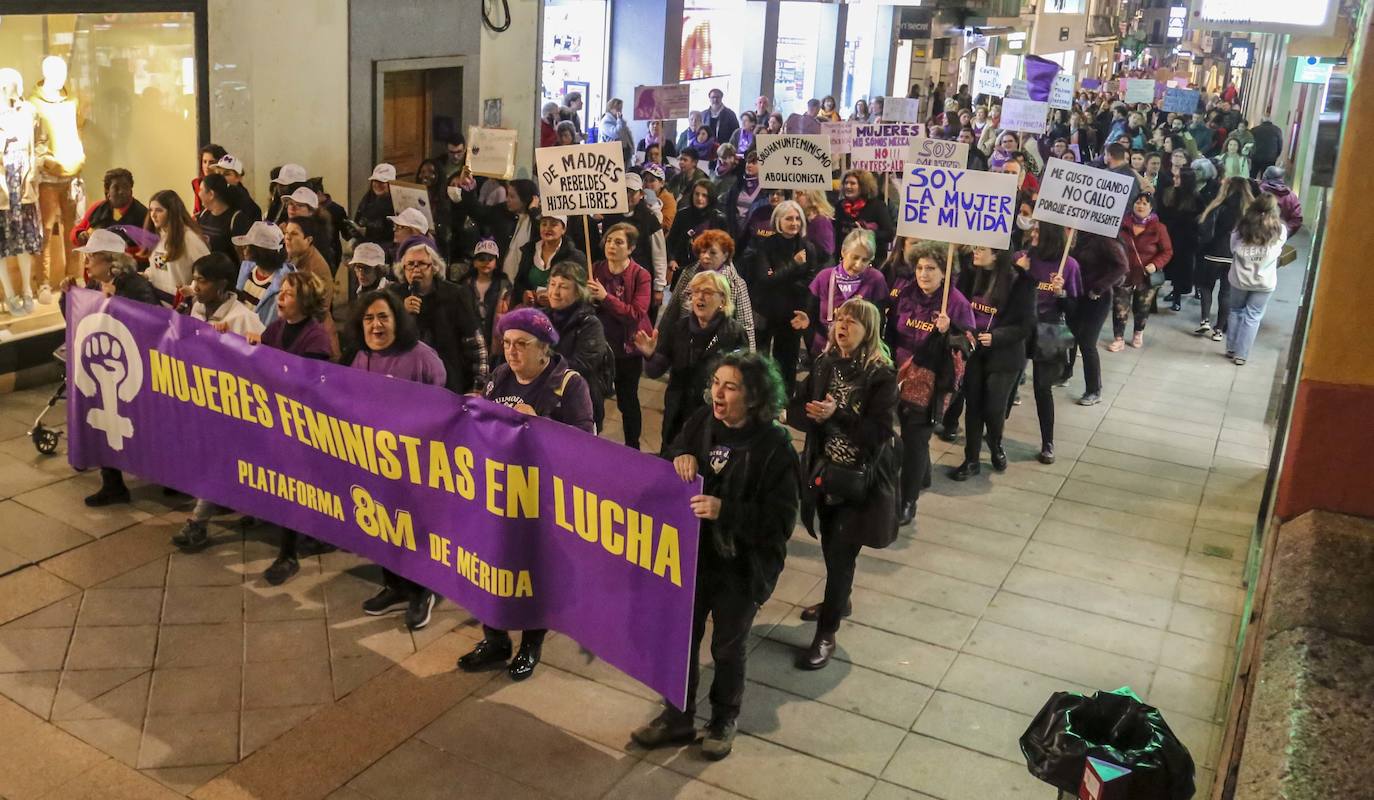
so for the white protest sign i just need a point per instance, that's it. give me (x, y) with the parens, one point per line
(1181, 101)
(1083, 198)
(1024, 115)
(958, 206)
(491, 152)
(411, 195)
(881, 147)
(582, 179)
(1061, 91)
(841, 136)
(673, 101)
(988, 80)
(1139, 90)
(901, 109)
(936, 153)
(794, 161)
(1019, 89)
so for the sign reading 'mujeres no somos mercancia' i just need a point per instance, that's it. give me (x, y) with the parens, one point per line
(795, 161)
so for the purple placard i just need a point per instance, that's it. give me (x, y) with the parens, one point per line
(1091, 84)
(523, 521)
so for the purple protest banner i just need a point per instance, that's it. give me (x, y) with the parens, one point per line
(524, 522)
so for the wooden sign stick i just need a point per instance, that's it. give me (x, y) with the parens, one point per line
(1068, 244)
(949, 270)
(587, 234)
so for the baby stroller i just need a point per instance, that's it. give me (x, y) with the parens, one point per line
(45, 439)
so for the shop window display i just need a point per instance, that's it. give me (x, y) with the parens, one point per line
(81, 94)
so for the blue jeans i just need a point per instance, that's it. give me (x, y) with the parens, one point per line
(1243, 319)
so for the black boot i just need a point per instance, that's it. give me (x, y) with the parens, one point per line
(999, 457)
(1046, 453)
(522, 666)
(907, 513)
(486, 655)
(965, 470)
(818, 654)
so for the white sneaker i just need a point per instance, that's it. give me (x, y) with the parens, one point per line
(45, 295)
(1218, 336)
(1203, 329)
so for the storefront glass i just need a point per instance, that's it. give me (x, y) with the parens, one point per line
(794, 75)
(713, 45)
(859, 45)
(120, 92)
(575, 54)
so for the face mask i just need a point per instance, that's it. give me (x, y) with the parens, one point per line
(1024, 222)
(455, 194)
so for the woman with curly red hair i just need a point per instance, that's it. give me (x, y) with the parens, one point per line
(715, 252)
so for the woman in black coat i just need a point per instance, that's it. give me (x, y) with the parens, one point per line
(581, 339)
(700, 215)
(862, 206)
(1213, 264)
(779, 269)
(686, 349)
(848, 408)
(1003, 300)
(1179, 208)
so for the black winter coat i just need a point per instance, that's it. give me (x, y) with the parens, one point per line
(567, 251)
(867, 417)
(778, 285)
(875, 216)
(687, 225)
(685, 351)
(754, 472)
(371, 217)
(448, 322)
(1012, 327)
(582, 341)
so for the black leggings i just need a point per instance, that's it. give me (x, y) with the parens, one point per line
(627, 372)
(1043, 376)
(1210, 275)
(986, 399)
(1086, 322)
(916, 431)
(779, 339)
(841, 556)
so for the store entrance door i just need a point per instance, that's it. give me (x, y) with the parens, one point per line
(419, 110)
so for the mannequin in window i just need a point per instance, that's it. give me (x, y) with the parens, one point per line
(60, 159)
(20, 234)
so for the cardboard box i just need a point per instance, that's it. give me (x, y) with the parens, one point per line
(1104, 781)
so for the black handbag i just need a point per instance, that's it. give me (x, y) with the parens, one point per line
(1053, 340)
(841, 484)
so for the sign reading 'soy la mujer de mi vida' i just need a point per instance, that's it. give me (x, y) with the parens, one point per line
(1082, 197)
(957, 205)
(524, 522)
(795, 161)
(582, 179)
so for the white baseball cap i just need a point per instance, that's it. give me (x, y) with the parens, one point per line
(261, 234)
(231, 163)
(412, 218)
(369, 254)
(103, 241)
(291, 173)
(560, 217)
(384, 173)
(634, 183)
(305, 196)
(486, 247)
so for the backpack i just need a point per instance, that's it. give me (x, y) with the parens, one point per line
(605, 372)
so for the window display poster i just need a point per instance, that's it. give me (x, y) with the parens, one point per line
(795, 161)
(411, 195)
(574, 53)
(988, 80)
(958, 205)
(491, 152)
(901, 109)
(1061, 91)
(1181, 101)
(671, 101)
(1138, 90)
(1024, 115)
(841, 136)
(1082, 197)
(582, 179)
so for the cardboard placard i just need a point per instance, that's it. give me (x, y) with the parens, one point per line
(841, 136)
(957, 205)
(901, 109)
(582, 179)
(411, 195)
(1061, 91)
(1083, 198)
(1019, 89)
(1181, 101)
(795, 161)
(881, 147)
(491, 152)
(1024, 115)
(988, 80)
(936, 153)
(671, 101)
(1092, 84)
(1138, 90)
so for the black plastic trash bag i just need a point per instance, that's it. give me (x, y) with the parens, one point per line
(1112, 726)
